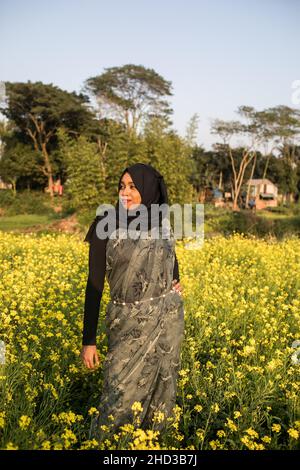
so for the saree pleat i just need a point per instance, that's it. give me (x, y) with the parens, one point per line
(144, 339)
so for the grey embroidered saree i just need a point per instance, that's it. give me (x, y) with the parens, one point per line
(144, 334)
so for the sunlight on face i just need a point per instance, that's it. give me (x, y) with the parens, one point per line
(128, 193)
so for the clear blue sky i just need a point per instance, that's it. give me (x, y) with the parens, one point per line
(218, 54)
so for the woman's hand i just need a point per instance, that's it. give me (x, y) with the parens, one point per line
(89, 356)
(177, 287)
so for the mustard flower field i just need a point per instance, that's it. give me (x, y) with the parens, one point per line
(238, 387)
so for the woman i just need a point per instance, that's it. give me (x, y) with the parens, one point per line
(144, 319)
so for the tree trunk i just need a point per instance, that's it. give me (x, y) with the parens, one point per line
(249, 184)
(14, 186)
(50, 185)
(238, 179)
(220, 180)
(235, 206)
(290, 197)
(48, 170)
(232, 191)
(266, 166)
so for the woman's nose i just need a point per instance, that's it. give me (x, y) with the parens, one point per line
(126, 191)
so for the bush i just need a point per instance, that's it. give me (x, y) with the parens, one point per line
(6, 197)
(247, 222)
(296, 209)
(277, 210)
(25, 202)
(67, 206)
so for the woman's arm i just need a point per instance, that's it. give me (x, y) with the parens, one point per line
(176, 270)
(176, 279)
(94, 288)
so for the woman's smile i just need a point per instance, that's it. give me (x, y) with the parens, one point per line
(124, 199)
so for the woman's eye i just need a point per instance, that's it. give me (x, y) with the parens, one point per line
(131, 187)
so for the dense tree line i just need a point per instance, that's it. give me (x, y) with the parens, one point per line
(123, 116)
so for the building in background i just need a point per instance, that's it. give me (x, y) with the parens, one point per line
(264, 192)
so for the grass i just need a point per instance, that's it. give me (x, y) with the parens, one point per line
(18, 222)
(278, 222)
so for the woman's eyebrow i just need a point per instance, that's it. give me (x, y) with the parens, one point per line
(129, 182)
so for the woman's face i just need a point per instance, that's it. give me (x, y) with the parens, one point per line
(129, 194)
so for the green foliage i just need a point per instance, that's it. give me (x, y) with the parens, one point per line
(171, 156)
(85, 184)
(19, 161)
(39, 109)
(256, 224)
(93, 152)
(24, 202)
(246, 222)
(14, 223)
(134, 92)
(123, 150)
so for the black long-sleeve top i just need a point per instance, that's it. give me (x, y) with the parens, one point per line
(94, 287)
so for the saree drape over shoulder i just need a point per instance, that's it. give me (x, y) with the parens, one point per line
(145, 328)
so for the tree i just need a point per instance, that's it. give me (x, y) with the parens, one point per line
(38, 110)
(192, 130)
(84, 185)
(130, 94)
(171, 155)
(18, 161)
(212, 168)
(254, 129)
(282, 125)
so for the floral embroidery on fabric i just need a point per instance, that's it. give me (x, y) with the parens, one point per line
(144, 340)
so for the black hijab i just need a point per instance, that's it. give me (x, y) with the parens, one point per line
(152, 188)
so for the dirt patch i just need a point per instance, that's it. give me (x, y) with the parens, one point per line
(57, 209)
(69, 224)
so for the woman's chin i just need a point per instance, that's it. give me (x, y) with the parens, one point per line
(125, 204)
(132, 206)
